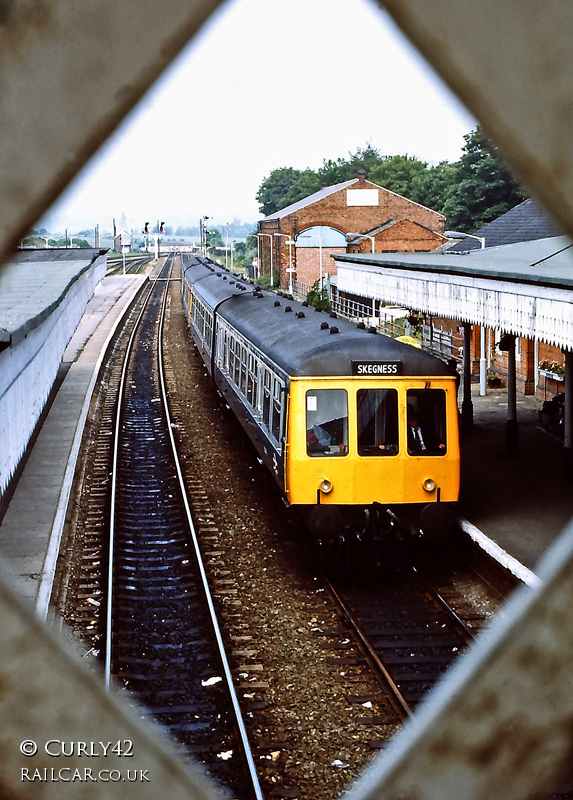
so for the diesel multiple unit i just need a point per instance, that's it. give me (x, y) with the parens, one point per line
(360, 431)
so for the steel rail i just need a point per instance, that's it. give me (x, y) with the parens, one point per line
(382, 675)
(109, 598)
(434, 595)
(224, 661)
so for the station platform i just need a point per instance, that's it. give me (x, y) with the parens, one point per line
(32, 526)
(520, 501)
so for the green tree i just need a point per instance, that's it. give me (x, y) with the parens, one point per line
(483, 186)
(432, 187)
(398, 174)
(318, 297)
(245, 251)
(215, 238)
(285, 186)
(344, 169)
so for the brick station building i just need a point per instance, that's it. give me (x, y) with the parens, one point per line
(317, 226)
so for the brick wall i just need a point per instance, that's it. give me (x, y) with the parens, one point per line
(334, 211)
(406, 236)
(308, 263)
(548, 387)
(524, 362)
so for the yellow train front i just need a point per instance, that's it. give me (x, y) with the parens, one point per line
(359, 431)
(374, 452)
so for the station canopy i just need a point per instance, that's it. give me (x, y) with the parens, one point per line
(525, 289)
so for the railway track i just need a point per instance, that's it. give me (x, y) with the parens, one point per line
(409, 629)
(149, 614)
(163, 640)
(143, 667)
(132, 265)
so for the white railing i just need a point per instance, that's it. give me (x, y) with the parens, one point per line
(300, 290)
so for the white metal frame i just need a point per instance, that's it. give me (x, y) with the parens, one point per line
(501, 725)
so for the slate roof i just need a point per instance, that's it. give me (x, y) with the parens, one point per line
(525, 222)
(543, 262)
(33, 283)
(307, 201)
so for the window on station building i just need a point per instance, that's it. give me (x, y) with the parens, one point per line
(320, 236)
(426, 422)
(327, 422)
(377, 413)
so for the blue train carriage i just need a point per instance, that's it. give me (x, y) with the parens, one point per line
(360, 431)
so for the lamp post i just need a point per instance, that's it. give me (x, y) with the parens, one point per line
(460, 235)
(350, 237)
(271, 238)
(314, 238)
(289, 270)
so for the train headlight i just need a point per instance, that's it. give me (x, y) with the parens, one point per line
(429, 485)
(325, 487)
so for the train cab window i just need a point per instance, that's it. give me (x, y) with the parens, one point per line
(327, 422)
(377, 422)
(426, 422)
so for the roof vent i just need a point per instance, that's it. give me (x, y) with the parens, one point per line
(324, 326)
(300, 314)
(277, 303)
(361, 325)
(287, 309)
(334, 329)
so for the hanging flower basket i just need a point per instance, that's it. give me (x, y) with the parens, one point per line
(551, 369)
(554, 376)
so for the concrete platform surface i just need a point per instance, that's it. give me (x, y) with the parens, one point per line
(520, 501)
(31, 530)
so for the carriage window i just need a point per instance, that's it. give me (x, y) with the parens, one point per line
(243, 386)
(237, 374)
(276, 421)
(426, 422)
(252, 380)
(327, 422)
(267, 399)
(377, 422)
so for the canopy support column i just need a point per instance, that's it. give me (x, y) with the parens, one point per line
(511, 429)
(467, 405)
(482, 362)
(568, 419)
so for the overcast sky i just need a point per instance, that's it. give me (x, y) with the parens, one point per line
(260, 89)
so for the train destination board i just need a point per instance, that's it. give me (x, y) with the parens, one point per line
(376, 367)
